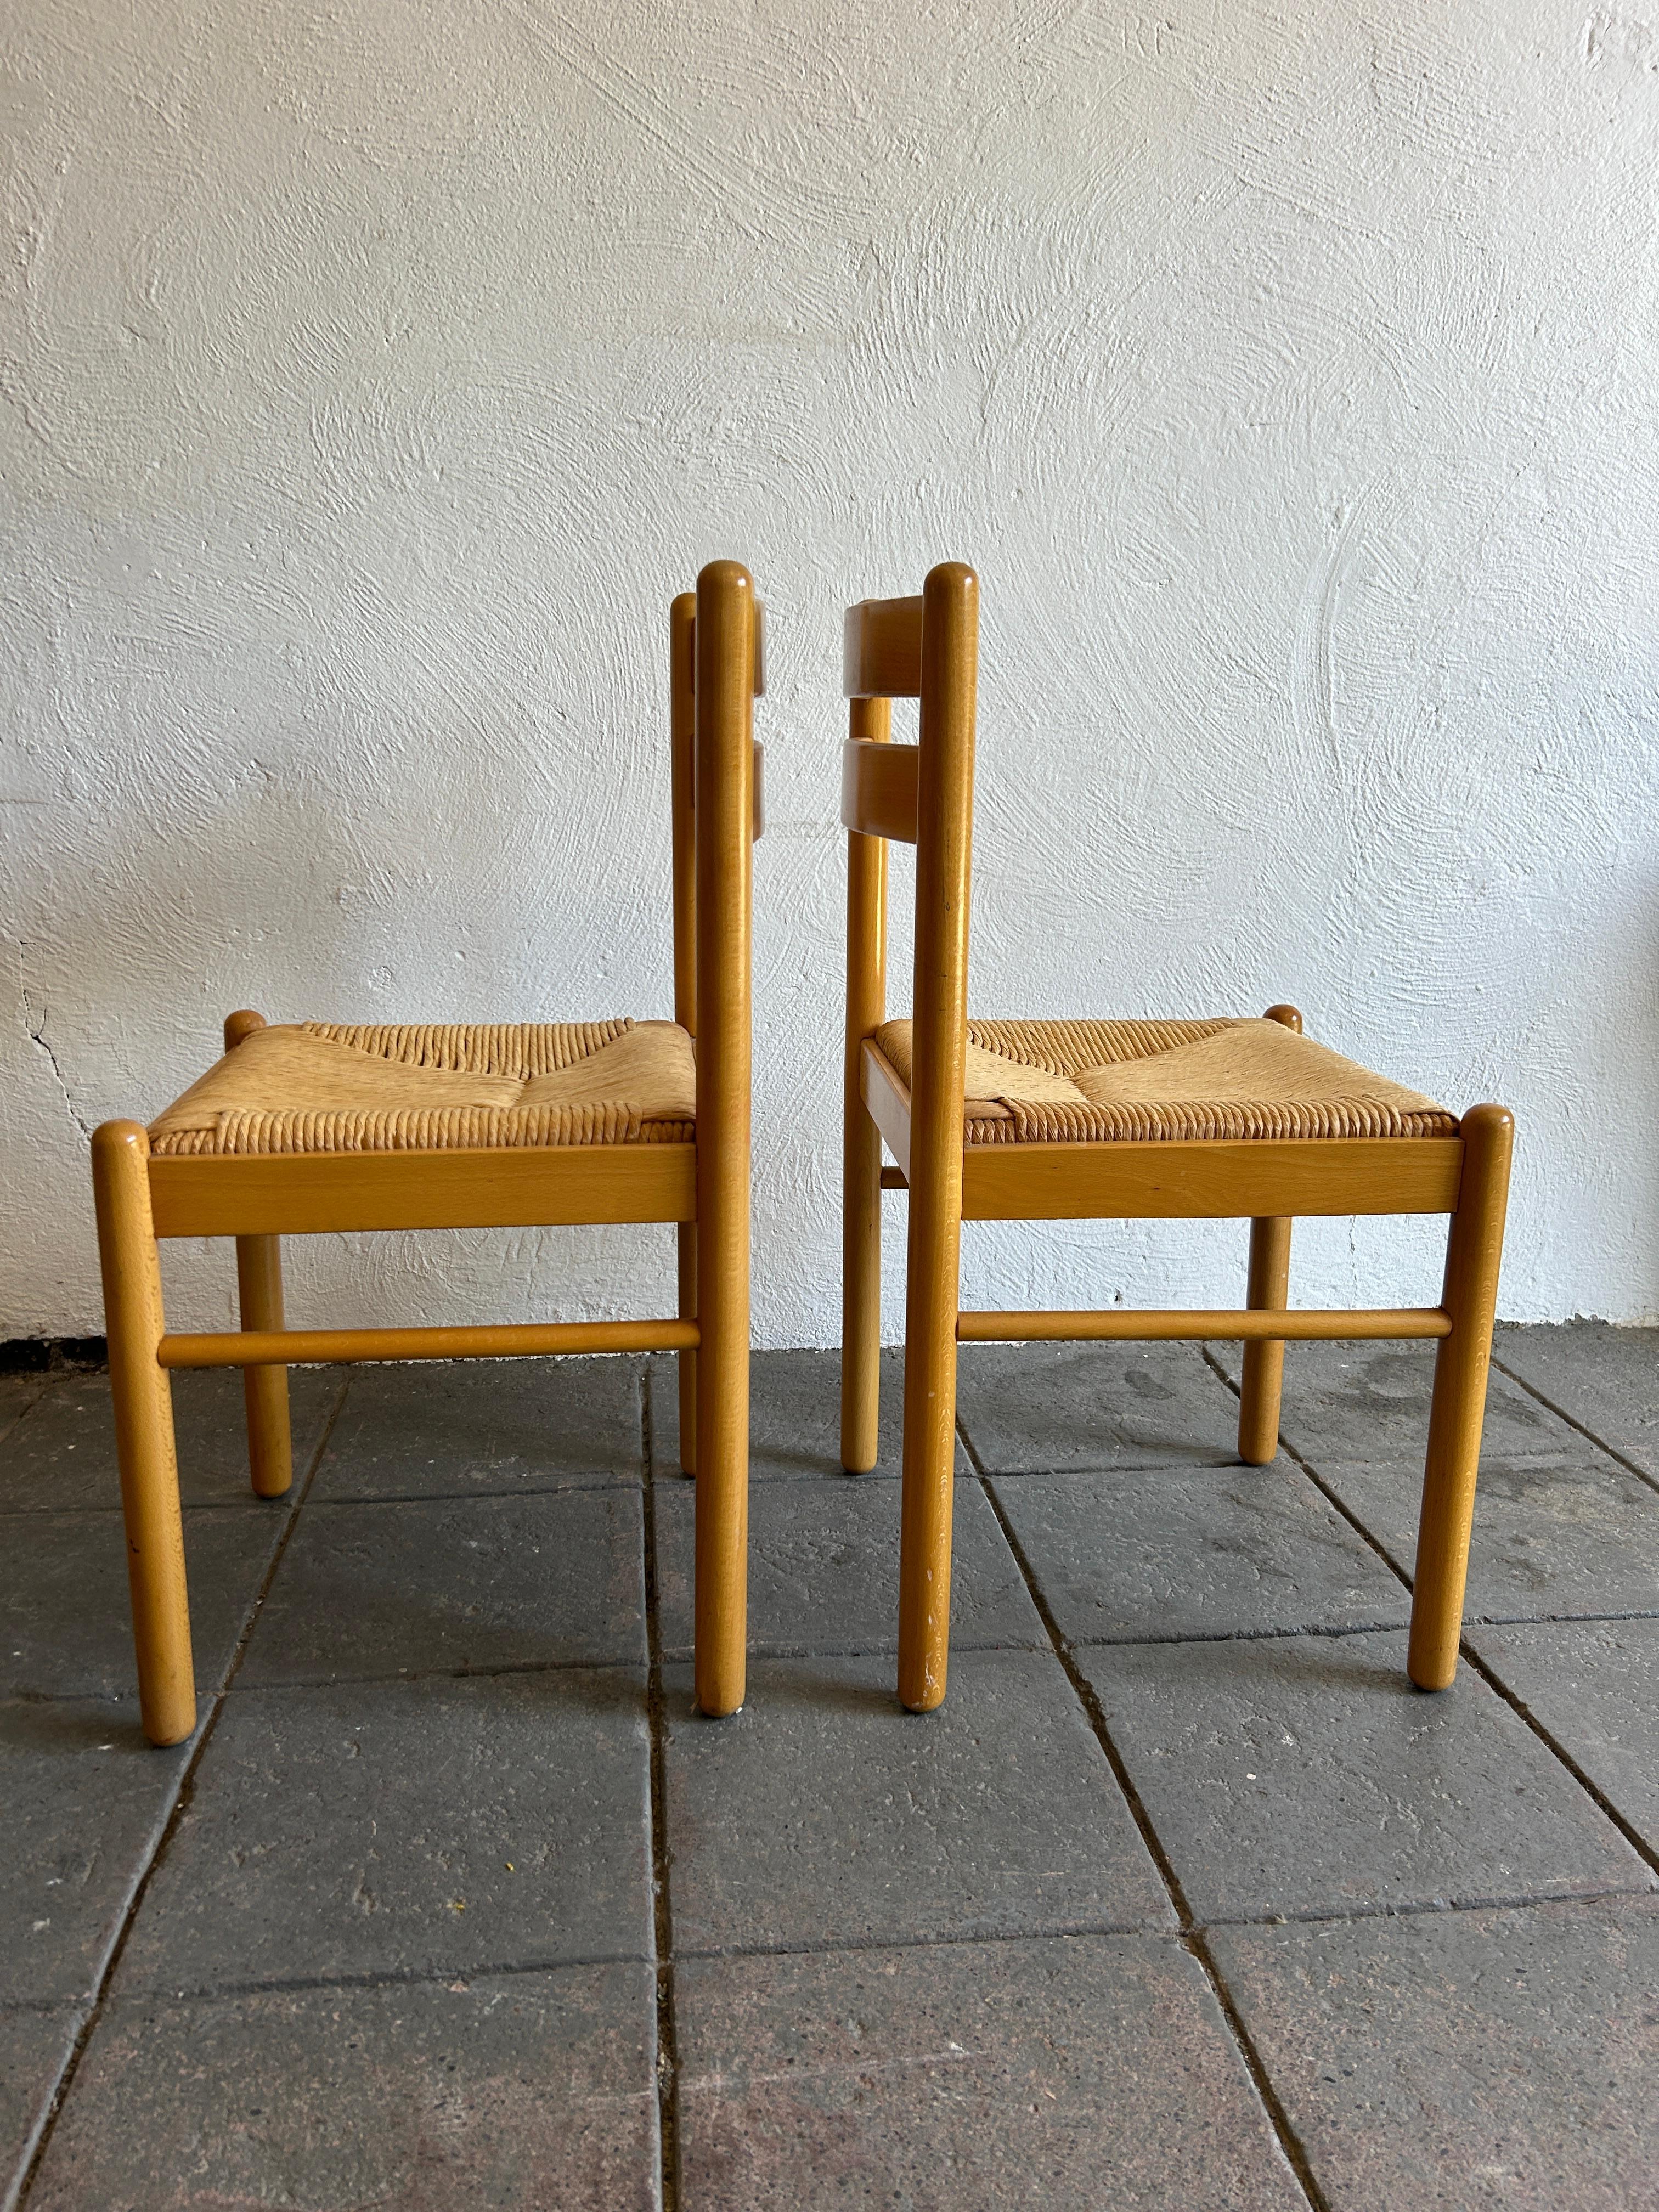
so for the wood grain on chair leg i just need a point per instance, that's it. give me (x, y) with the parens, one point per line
(1263, 1376)
(260, 1289)
(867, 1007)
(944, 847)
(142, 1393)
(1262, 1382)
(1472, 1254)
(686, 1362)
(259, 1294)
(725, 826)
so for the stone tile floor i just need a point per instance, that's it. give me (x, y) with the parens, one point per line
(1184, 1900)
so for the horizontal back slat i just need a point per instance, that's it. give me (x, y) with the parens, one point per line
(878, 789)
(881, 655)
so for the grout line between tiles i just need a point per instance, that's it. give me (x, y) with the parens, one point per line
(1191, 1936)
(1561, 1413)
(1121, 1931)
(667, 2067)
(182, 1795)
(851, 1946)
(1494, 1682)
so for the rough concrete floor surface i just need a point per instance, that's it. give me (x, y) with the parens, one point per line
(1184, 1898)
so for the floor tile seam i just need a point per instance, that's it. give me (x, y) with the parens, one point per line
(1174, 1464)
(1290, 2146)
(856, 1947)
(1129, 1931)
(681, 1656)
(1328, 1630)
(506, 1670)
(666, 2057)
(1330, 1495)
(1584, 1430)
(247, 1503)
(168, 1825)
(580, 1486)
(24, 2155)
(1645, 1850)
(1443, 1908)
(132, 1997)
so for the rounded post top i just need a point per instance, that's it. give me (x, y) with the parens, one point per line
(730, 575)
(1289, 1017)
(114, 1137)
(955, 577)
(1489, 1119)
(241, 1025)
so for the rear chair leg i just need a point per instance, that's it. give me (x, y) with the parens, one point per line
(1263, 1378)
(142, 1395)
(270, 1446)
(861, 1296)
(1264, 1363)
(260, 1289)
(1472, 1253)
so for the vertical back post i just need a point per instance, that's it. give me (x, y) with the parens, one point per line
(944, 808)
(683, 738)
(866, 1009)
(724, 685)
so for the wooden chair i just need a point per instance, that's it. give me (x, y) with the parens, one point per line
(320, 1128)
(1114, 1120)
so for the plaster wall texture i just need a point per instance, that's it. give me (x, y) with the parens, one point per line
(373, 372)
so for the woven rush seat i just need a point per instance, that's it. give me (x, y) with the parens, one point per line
(1100, 1082)
(334, 1087)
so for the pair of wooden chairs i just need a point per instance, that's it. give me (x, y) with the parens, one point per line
(324, 1126)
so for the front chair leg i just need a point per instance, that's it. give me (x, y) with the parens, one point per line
(930, 1451)
(1263, 1378)
(1472, 1253)
(141, 1389)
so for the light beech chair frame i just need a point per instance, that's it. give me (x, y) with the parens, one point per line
(703, 1187)
(927, 648)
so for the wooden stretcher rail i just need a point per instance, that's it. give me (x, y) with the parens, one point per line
(288, 1347)
(1307, 1325)
(298, 1194)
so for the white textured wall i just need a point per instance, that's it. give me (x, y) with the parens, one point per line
(374, 371)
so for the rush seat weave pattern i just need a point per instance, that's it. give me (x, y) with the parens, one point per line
(1098, 1082)
(332, 1087)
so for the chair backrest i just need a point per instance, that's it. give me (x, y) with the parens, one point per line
(716, 672)
(926, 649)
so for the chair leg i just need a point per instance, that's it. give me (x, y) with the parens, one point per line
(1472, 1253)
(142, 1395)
(722, 1452)
(930, 1451)
(860, 1292)
(687, 1361)
(1264, 1363)
(270, 1445)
